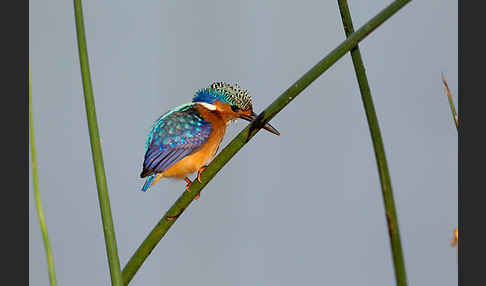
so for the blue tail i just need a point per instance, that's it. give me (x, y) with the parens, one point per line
(148, 182)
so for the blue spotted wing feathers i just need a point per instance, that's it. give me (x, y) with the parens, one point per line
(175, 135)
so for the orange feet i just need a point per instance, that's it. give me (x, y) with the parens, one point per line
(199, 173)
(189, 183)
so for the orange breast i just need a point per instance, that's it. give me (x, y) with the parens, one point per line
(196, 160)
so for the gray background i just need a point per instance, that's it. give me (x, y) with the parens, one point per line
(305, 207)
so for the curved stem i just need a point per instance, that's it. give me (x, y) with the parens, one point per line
(451, 103)
(244, 136)
(385, 180)
(94, 137)
(38, 202)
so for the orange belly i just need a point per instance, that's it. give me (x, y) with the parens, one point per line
(196, 160)
(203, 155)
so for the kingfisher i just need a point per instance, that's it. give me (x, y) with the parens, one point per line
(186, 138)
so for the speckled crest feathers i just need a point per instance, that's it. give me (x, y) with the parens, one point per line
(225, 92)
(235, 94)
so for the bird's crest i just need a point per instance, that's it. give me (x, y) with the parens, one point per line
(231, 94)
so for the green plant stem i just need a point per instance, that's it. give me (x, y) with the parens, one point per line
(104, 201)
(38, 202)
(451, 103)
(246, 134)
(385, 180)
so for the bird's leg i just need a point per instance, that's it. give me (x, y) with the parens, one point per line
(189, 183)
(199, 178)
(199, 173)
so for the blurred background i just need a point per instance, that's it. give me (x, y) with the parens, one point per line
(305, 207)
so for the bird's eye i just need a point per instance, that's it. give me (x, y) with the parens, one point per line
(235, 108)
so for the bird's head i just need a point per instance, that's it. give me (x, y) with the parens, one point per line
(230, 102)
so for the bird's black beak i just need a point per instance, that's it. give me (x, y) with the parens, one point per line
(252, 116)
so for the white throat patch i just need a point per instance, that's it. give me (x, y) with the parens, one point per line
(208, 106)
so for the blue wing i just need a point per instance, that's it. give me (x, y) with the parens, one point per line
(175, 135)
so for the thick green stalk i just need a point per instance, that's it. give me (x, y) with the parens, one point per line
(451, 103)
(385, 180)
(38, 202)
(244, 136)
(108, 229)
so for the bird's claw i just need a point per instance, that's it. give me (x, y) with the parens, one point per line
(199, 173)
(189, 182)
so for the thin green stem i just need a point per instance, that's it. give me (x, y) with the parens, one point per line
(244, 136)
(451, 103)
(38, 202)
(104, 201)
(385, 180)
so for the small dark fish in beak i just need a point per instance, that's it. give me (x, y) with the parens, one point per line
(252, 117)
